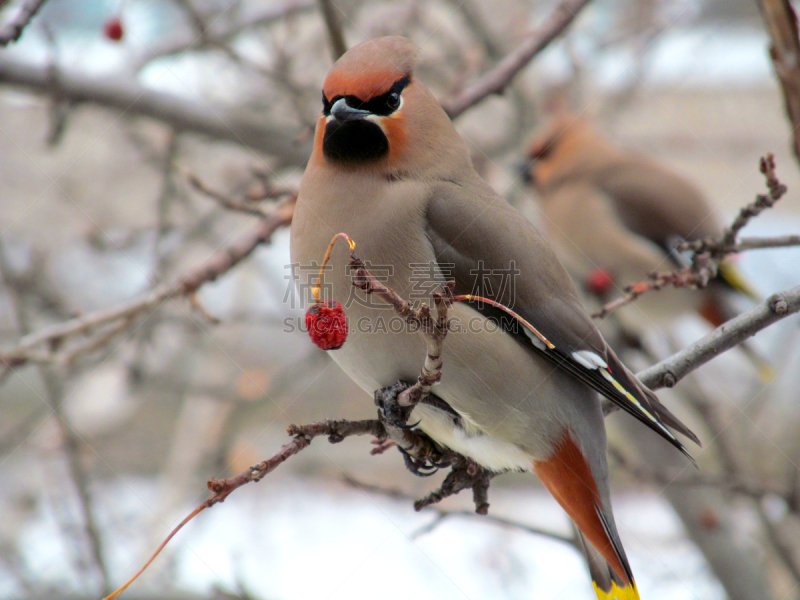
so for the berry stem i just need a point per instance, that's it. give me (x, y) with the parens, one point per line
(350, 242)
(504, 308)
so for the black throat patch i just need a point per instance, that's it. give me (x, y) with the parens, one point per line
(354, 141)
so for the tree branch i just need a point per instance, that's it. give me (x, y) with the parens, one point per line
(728, 335)
(708, 253)
(221, 30)
(496, 80)
(729, 483)
(722, 247)
(132, 98)
(245, 206)
(51, 339)
(334, 25)
(781, 21)
(444, 513)
(434, 330)
(760, 243)
(70, 441)
(12, 30)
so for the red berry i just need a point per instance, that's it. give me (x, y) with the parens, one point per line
(327, 325)
(599, 282)
(113, 29)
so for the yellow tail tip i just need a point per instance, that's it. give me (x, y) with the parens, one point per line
(627, 592)
(766, 374)
(736, 279)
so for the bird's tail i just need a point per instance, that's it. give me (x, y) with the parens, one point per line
(607, 584)
(568, 477)
(730, 274)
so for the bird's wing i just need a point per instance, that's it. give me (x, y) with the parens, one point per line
(582, 220)
(491, 250)
(661, 206)
(656, 203)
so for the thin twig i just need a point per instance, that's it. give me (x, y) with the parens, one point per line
(721, 247)
(728, 335)
(761, 243)
(496, 80)
(708, 253)
(781, 21)
(434, 329)
(688, 277)
(334, 25)
(12, 30)
(220, 30)
(70, 442)
(222, 488)
(224, 200)
(728, 482)
(785, 551)
(50, 339)
(444, 513)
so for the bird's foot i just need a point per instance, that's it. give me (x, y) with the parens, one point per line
(389, 409)
(381, 446)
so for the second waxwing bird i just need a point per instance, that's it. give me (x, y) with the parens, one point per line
(610, 209)
(389, 169)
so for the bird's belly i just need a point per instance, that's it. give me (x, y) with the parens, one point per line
(513, 405)
(496, 455)
(515, 401)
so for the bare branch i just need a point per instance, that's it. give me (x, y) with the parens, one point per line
(70, 442)
(127, 95)
(444, 513)
(708, 253)
(729, 483)
(496, 80)
(51, 339)
(221, 30)
(762, 202)
(12, 30)
(224, 200)
(785, 551)
(336, 431)
(688, 277)
(668, 372)
(334, 25)
(760, 243)
(781, 21)
(434, 330)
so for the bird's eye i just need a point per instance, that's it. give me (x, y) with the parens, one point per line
(393, 100)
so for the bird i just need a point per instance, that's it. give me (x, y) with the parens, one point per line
(389, 169)
(613, 212)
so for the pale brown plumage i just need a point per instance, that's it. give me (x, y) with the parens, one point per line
(389, 169)
(611, 209)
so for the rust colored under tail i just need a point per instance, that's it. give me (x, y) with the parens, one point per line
(569, 479)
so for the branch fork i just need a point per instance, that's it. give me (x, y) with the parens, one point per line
(708, 253)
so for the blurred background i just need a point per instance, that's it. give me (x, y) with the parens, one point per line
(106, 444)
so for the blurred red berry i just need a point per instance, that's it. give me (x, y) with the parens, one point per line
(327, 325)
(599, 282)
(113, 29)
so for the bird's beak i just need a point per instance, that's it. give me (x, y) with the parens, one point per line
(525, 171)
(342, 112)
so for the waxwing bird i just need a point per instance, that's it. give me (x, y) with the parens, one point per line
(609, 210)
(389, 169)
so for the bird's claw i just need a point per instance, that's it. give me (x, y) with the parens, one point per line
(390, 411)
(418, 467)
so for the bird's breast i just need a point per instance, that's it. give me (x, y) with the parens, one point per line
(513, 402)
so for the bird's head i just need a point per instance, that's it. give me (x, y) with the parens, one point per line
(566, 147)
(376, 114)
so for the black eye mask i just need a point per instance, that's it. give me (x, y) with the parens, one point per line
(382, 105)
